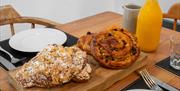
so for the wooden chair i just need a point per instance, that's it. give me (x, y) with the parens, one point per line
(8, 15)
(173, 13)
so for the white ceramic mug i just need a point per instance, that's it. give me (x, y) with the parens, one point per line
(130, 16)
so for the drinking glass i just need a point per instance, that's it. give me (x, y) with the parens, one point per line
(175, 51)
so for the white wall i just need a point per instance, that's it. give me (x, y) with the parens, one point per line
(64, 11)
(60, 10)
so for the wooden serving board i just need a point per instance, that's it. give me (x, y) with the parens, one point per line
(102, 78)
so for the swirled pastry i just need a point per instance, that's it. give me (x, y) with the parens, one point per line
(85, 41)
(53, 66)
(115, 48)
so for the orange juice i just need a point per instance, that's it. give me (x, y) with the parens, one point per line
(149, 26)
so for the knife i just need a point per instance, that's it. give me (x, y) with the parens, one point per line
(164, 85)
(6, 63)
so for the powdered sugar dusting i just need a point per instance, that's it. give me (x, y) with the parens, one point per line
(54, 65)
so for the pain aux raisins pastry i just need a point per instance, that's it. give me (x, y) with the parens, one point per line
(54, 66)
(84, 42)
(113, 48)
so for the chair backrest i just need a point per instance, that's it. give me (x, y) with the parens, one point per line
(173, 13)
(8, 15)
(7, 12)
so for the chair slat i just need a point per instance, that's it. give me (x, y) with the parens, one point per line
(175, 24)
(32, 25)
(12, 29)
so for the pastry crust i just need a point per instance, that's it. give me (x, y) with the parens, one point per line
(84, 42)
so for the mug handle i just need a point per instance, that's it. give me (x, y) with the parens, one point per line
(123, 6)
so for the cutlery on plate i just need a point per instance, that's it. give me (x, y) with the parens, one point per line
(149, 80)
(13, 59)
(6, 63)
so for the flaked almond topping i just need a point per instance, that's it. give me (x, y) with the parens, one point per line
(54, 65)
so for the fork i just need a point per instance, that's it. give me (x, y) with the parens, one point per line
(13, 59)
(149, 80)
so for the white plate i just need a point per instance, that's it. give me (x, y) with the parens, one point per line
(140, 90)
(34, 40)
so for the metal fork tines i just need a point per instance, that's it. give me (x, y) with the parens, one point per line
(149, 80)
(13, 59)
